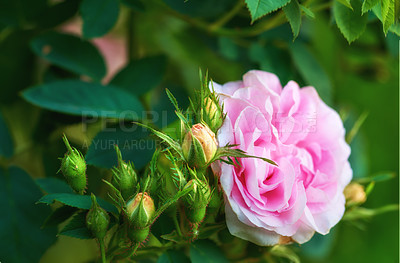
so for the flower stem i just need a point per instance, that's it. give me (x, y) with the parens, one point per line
(102, 250)
(227, 17)
(177, 226)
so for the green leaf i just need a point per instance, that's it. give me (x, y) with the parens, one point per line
(133, 141)
(307, 11)
(209, 230)
(141, 76)
(368, 5)
(311, 71)
(59, 215)
(293, 14)
(53, 185)
(86, 99)
(6, 142)
(58, 13)
(395, 28)
(206, 251)
(20, 219)
(22, 12)
(260, 8)
(136, 5)
(15, 57)
(71, 53)
(173, 236)
(173, 256)
(98, 16)
(387, 7)
(350, 22)
(77, 227)
(78, 201)
(379, 177)
(345, 3)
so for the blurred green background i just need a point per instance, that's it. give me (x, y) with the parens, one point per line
(137, 49)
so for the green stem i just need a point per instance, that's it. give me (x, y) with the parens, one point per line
(227, 17)
(177, 226)
(102, 250)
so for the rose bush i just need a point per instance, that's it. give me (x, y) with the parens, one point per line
(268, 204)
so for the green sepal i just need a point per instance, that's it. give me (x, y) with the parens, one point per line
(97, 219)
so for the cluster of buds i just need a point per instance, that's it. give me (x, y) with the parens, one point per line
(73, 167)
(140, 211)
(125, 177)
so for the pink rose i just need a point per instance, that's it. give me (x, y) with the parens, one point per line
(266, 204)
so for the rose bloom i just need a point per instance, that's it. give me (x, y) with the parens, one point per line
(269, 204)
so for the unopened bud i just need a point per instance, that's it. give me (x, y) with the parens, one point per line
(140, 210)
(199, 146)
(196, 200)
(97, 219)
(73, 167)
(354, 193)
(125, 176)
(213, 114)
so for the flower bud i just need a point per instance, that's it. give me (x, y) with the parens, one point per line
(140, 210)
(73, 167)
(355, 194)
(125, 177)
(97, 219)
(196, 201)
(213, 114)
(199, 146)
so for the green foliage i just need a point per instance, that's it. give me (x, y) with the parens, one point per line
(205, 251)
(61, 50)
(133, 141)
(53, 185)
(21, 218)
(76, 227)
(311, 70)
(293, 14)
(85, 99)
(98, 16)
(260, 8)
(351, 22)
(368, 5)
(173, 256)
(6, 142)
(141, 76)
(78, 201)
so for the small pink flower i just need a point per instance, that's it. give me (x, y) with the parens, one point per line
(305, 137)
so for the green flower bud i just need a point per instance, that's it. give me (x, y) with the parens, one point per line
(140, 210)
(125, 176)
(196, 201)
(97, 219)
(138, 235)
(73, 167)
(199, 146)
(213, 114)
